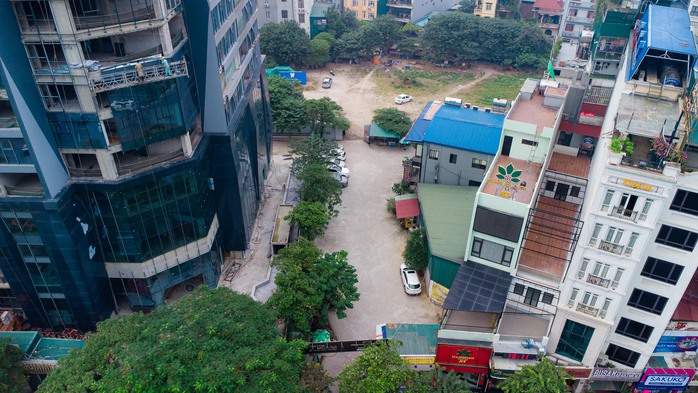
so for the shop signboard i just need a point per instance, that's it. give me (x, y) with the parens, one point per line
(579, 372)
(615, 374)
(677, 344)
(666, 378)
(300, 76)
(463, 359)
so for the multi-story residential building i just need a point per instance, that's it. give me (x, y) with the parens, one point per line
(138, 155)
(485, 8)
(368, 9)
(636, 254)
(578, 16)
(301, 11)
(548, 14)
(414, 10)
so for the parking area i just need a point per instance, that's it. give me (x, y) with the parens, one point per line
(374, 241)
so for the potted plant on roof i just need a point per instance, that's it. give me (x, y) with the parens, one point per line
(673, 157)
(620, 146)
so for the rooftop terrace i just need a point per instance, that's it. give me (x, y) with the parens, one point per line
(646, 116)
(523, 192)
(532, 111)
(570, 165)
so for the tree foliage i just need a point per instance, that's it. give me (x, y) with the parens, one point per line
(394, 120)
(470, 38)
(311, 150)
(340, 22)
(402, 187)
(467, 6)
(310, 284)
(544, 377)
(410, 30)
(287, 105)
(350, 45)
(212, 340)
(389, 31)
(329, 38)
(315, 379)
(319, 53)
(319, 185)
(416, 252)
(438, 381)
(378, 369)
(12, 378)
(323, 113)
(311, 217)
(286, 43)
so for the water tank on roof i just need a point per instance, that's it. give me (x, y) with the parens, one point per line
(669, 75)
(499, 102)
(453, 101)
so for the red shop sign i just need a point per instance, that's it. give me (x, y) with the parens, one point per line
(464, 359)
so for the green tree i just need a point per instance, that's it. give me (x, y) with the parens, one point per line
(390, 31)
(329, 38)
(322, 114)
(319, 53)
(378, 369)
(410, 30)
(311, 217)
(340, 22)
(315, 379)
(467, 6)
(402, 187)
(286, 43)
(319, 185)
(452, 34)
(350, 45)
(12, 378)
(212, 340)
(408, 46)
(437, 381)
(310, 284)
(287, 105)
(416, 252)
(394, 120)
(544, 377)
(311, 150)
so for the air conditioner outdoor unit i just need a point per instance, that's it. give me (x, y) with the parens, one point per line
(602, 360)
(689, 355)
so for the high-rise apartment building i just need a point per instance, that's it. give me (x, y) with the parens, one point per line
(136, 141)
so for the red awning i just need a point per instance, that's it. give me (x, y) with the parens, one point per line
(578, 128)
(406, 207)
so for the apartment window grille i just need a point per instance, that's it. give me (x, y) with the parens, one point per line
(480, 164)
(583, 268)
(663, 271)
(595, 234)
(452, 158)
(607, 200)
(685, 201)
(622, 355)
(433, 154)
(677, 238)
(635, 330)
(647, 301)
(532, 297)
(631, 243)
(645, 210)
(616, 279)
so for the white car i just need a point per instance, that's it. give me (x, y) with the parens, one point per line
(403, 99)
(341, 154)
(338, 169)
(410, 280)
(342, 179)
(336, 161)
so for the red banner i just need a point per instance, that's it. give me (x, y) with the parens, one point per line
(463, 359)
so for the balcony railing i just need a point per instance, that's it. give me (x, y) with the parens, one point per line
(571, 34)
(589, 310)
(398, 3)
(8, 122)
(467, 328)
(649, 165)
(130, 77)
(596, 280)
(611, 247)
(621, 212)
(92, 22)
(581, 19)
(609, 55)
(24, 191)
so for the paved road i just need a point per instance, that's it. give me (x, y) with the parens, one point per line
(374, 241)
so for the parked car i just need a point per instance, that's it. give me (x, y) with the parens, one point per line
(403, 99)
(338, 169)
(410, 280)
(342, 179)
(341, 154)
(326, 82)
(336, 161)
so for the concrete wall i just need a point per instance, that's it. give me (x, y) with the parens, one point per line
(442, 172)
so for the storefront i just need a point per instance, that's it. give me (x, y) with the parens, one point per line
(469, 360)
(665, 379)
(611, 380)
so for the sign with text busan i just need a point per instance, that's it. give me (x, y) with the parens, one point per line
(666, 378)
(614, 374)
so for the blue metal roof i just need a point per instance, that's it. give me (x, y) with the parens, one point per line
(420, 126)
(669, 29)
(466, 129)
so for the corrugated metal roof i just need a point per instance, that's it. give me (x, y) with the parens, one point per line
(420, 126)
(319, 10)
(669, 29)
(466, 129)
(406, 206)
(379, 132)
(447, 212)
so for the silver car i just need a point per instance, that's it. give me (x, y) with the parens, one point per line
(410, 280)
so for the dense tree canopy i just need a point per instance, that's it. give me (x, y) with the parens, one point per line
(350, 45)
(378, 369)
(212, 340)
(286, 43)
(310, 283)
(393, 120)
(340, 22)
(287, 105)
(319, 53)
(544, 377)
(324, 113)
(12, 378)
(416, 252)
(311, 150)
(312, 219)
(470, 38)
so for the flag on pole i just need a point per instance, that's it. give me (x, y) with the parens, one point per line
(551, 70)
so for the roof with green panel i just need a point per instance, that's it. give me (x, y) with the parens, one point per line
(447, 212)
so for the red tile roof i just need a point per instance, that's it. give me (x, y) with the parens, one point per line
(405, 208)
(549, 5)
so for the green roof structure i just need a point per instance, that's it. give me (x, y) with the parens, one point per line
(276, 70)
(417, 339)
(447, 212)
(377, 131)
